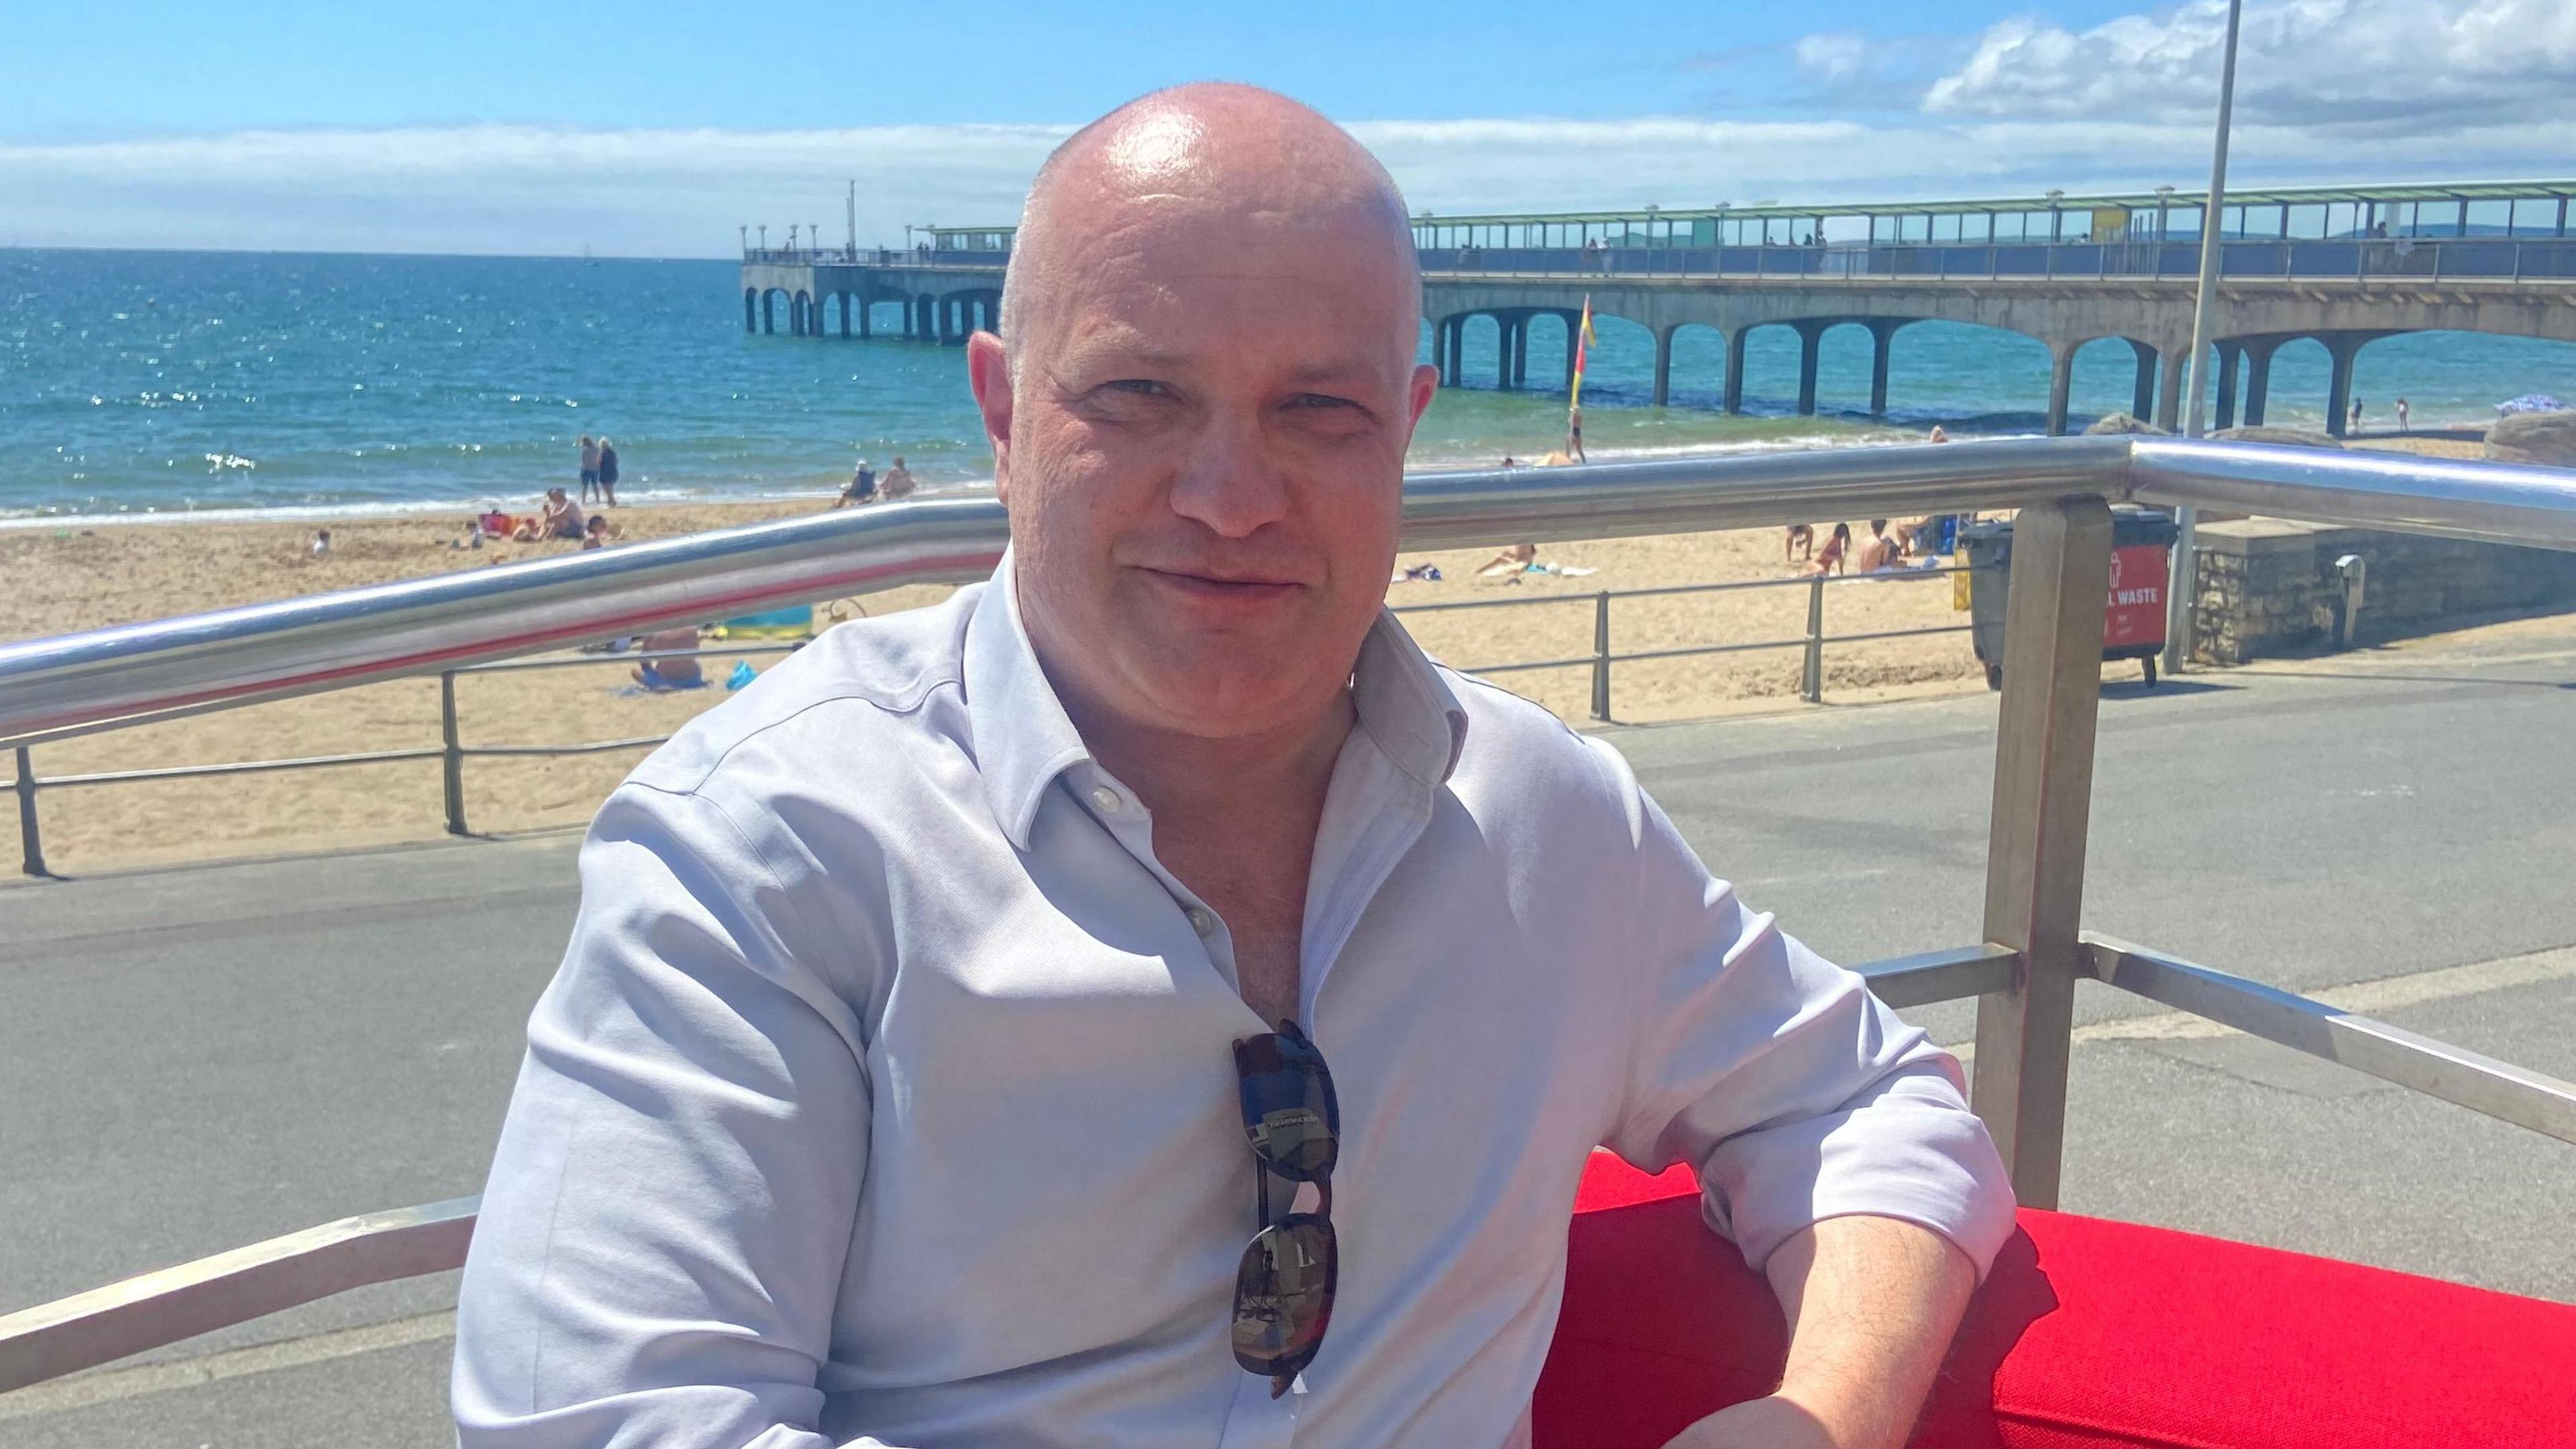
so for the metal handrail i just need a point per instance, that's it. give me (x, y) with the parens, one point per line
(131, 673)
(452, 752)
(2024, 973)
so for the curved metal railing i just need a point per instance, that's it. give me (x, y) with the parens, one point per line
(2022, 974)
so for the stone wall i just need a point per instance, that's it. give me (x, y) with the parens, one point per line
(2267, 586)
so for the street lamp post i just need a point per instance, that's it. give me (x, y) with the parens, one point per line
(2180, 585)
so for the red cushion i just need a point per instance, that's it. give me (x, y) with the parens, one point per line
(2088, 1333)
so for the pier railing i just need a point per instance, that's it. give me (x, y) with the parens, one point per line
(2363, 259)
(2022, 972)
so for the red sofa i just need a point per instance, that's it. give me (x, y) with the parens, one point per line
(2088, 1333)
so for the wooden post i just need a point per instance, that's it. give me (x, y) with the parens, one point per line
(1812, 686)
(454, 761)
(31, 841)
(1601, 656)
(2061, 566)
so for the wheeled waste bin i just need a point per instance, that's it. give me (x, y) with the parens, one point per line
(2133, 627)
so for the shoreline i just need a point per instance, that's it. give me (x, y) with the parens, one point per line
(1849, 432)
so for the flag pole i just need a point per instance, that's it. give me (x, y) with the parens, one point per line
(2180, 587)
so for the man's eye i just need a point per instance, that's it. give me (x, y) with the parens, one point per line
(1320, 400)
(1137, 387)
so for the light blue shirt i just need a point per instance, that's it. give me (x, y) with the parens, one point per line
(886, 1094)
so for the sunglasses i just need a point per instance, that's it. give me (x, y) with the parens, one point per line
(1283, 1288)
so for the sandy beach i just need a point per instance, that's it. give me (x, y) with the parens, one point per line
(70, 578)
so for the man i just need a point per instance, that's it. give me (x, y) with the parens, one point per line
(589, 468)
(930, 999)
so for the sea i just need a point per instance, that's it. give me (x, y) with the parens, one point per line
(157, 384)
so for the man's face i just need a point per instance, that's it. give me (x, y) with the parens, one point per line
(1202, 447)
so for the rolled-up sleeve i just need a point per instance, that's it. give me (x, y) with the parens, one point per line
(1796, 1094)
(671, 1204)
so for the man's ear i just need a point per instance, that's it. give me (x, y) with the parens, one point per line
(988, 374)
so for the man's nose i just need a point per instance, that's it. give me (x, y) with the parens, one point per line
(1230, 484)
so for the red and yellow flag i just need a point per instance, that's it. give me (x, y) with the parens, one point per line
(1584, 341)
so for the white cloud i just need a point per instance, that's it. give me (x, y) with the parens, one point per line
(2372, 66)
(1832, 57)
(682, 192)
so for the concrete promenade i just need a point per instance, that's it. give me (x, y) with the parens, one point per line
(194, 1059)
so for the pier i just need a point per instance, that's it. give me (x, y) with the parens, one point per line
(2342, 265)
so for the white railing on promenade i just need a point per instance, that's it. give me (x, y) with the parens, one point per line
(2023, 973)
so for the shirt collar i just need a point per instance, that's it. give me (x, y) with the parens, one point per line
(1024, 739)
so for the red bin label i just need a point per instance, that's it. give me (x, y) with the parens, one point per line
(2136, 614)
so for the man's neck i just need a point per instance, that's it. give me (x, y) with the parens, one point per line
(1275, 773)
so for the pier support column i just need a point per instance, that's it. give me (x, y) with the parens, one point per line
(867, 314)
(1440, 349)
(2229, 354)
(2142, 395)
(1735, 370)
(1520, 352)
(2061, 380)
(796, 315)
(769, 313)
(2258, 378)
(1811, 338)
(750, 310)
(2169, 395)
(1664, 366)
(1882, 341)
(848, 301)
(2340, 348)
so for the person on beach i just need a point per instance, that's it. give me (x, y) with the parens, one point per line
(589, 468)
(598, 532)
(1510, 561)
(658, 675)
(1574, 435)
(1829, 559)
(929, 998)
(862, 487)
(321, 546)
(1801, 543)
(607, 471)
(2353, 425)
(897, 483)
(561, 519)
(2401, 415)
(1881, 552)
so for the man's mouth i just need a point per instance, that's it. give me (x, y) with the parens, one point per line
(1222, 588)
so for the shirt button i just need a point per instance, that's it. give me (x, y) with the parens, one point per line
(1106, 799)
(1201, 921)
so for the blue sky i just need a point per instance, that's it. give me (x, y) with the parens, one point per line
(654, 130)
(122, 70)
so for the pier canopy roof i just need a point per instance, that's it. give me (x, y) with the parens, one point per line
(2433, 208)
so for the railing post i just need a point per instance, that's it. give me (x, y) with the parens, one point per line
(453, 765)
(2052, 668)
(31, 841)
(1601, 656)
(1812, 685)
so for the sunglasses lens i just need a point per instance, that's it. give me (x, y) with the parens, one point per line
(1283, 1294)
(1288, 1107)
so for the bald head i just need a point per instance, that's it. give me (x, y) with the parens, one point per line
(1212, 155)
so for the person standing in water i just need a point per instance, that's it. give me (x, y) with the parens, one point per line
(589, 468)
(607, 472)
